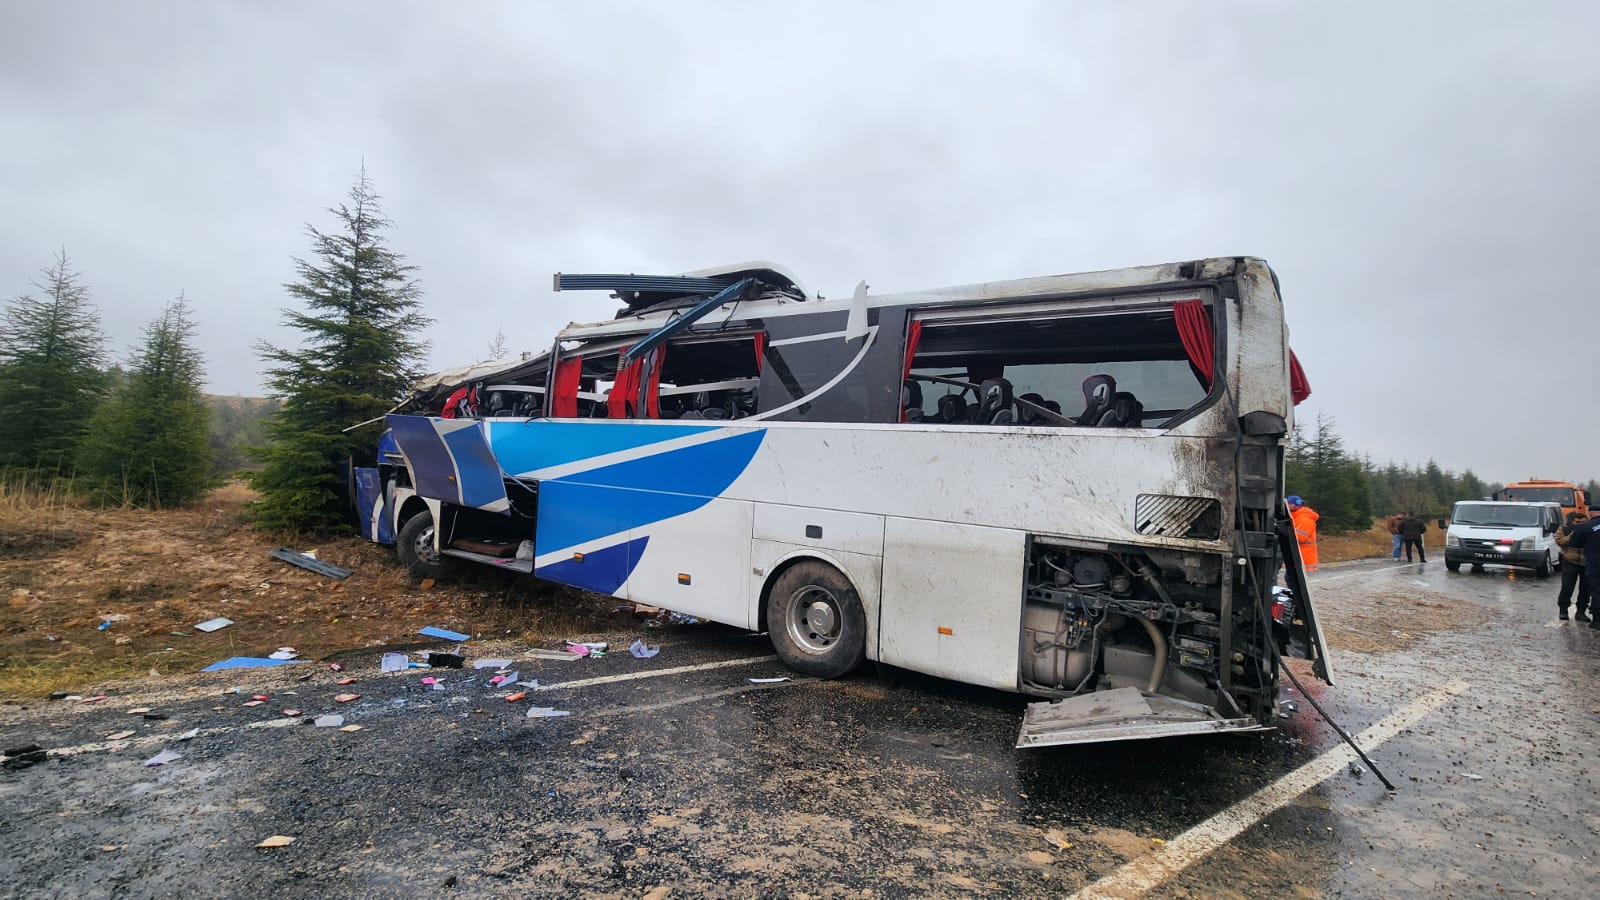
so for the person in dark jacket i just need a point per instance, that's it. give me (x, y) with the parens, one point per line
(1411, 529)
(1586, 537)
(1572, 574)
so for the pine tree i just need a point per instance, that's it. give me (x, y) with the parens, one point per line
(51, 350)
(358, 355)
(148, 445)
(1331, 482)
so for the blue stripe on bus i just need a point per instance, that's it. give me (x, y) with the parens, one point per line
(431, 468)
(478, 472)
(614, 499)
(525, 447)
(602, 571)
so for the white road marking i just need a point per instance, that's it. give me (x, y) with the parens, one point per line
(653, 673)
(1148, 872)
(695, 698)
(1403, 568)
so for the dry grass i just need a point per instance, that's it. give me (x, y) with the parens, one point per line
(1369, 544)
(65, 568)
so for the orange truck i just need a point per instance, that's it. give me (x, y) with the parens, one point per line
(1570, 496)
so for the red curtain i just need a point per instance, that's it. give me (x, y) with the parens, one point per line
(652, 396)
(761, 349)
(1194, 328)
(624, 389)
(564, 404)
(1299, 387)
(913, 337)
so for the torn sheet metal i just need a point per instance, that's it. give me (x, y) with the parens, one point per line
(305, 562)
(1123, 714)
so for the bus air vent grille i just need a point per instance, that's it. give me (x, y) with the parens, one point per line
(1170, 516)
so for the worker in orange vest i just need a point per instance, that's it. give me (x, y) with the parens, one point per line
(1305, 530)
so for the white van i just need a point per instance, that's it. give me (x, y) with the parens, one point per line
(1485, 533)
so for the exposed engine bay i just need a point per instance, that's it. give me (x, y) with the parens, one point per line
(1104, 619)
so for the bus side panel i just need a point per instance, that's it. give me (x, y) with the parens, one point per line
(952, 600)
(865, 573)
(711, 548)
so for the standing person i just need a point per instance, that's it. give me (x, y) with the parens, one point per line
(1305, 530)
(1411, 529)
(1393, 524)
(1586, 537)
(1572, 574)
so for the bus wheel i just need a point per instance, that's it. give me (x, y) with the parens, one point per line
(816, 621)
(414, 546)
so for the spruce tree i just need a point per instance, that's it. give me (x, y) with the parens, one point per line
(148, 445)
(358, 355)
(51, 350)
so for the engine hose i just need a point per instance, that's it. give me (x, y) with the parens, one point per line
(1159, 672)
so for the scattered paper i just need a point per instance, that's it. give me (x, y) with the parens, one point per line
(529, 684)
(254, 702)
(328, 721)
(260, 697)
(641, 650)
(491, 663)
(216, 624)
(394, 662)
(508, 678)
(293, 712)
(277, 840)
(520, 695)
(1472, 777)
(444, 634)
(189, 735)
(345, 681)
(120, 736)
(539, 653)
(577, 650)
(95, 699)
(283, 653)
(766, 680)
(162, 758)
(351, 728)
(547, 712)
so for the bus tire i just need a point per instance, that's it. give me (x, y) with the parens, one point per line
(815, 620)
(414, 547)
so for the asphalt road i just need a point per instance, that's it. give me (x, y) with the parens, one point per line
(678, 775)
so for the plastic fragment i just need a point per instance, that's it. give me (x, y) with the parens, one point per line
(254, 702)
(547, 712)
(260, 697)
(335, 667)
(293, 712)
(216, 624)
(351, 728)
(346, 698)
(345, 681)
(189, 735)
(491, 663)
(328, 721)
(277, 840)
(283, 653)
(539, 653)
(394, 662)
(249, 662)
(520, 695)
(641, 650)
(162, 758)
(444, 634)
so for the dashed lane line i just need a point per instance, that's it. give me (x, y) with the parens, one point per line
(1151, 871)
(653, 673)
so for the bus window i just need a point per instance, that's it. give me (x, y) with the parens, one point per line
(710, 378)
(1125, 369)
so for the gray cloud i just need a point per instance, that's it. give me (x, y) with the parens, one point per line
(1417, 173)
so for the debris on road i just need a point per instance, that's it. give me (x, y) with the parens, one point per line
(120, 735)
(508, 678)
(138, 710)
(641, 650)
(767, 680)
(346, 698)
(547, 712)
(211, 625)
(520, 695)
(335, 667)
(443, 634)
(162, 758)
(394, 662)
(309, 563)
(491, 663)
(345, 681)
(446, 660)
(189, 735)
(539, 653)
(283, 653)
(291, 713)
(24, 756)
(95, 699)
(253, 702)
(277, 840)
(351, 728)
(248, 662)
(260, 697)
(328, 721)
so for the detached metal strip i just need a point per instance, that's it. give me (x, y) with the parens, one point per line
(306, 562)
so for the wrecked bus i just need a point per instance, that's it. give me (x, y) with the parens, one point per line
(1066, 486)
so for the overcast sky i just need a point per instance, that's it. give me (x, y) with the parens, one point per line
(1420, 175)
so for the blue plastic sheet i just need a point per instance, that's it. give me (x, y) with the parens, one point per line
(249, 662)
(442, 634)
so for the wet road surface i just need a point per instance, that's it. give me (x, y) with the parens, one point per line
(695, 780)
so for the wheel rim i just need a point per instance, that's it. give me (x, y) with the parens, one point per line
(813, 620)
(423, 546)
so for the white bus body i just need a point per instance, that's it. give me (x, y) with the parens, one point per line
(908, 479)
